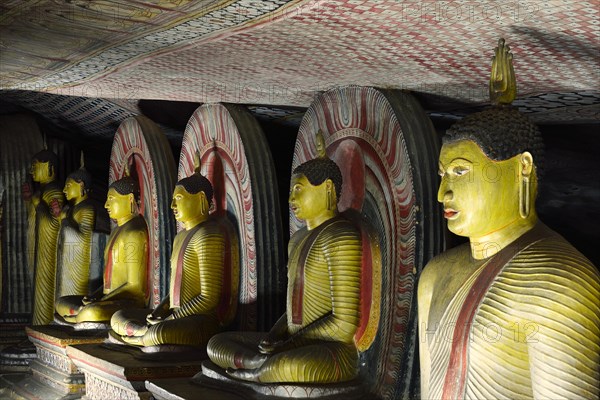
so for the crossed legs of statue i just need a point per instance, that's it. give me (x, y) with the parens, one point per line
(313, 362)
(193, 330)
(72, 310)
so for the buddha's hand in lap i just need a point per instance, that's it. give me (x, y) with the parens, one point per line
(254, 361)
(269, 345)
(87, 300)
(152, 319)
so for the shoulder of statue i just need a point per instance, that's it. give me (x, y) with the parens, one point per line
(210, 226)
(458, 255)
(339, 224)
(339, 233)
(52, 191)
(137, 225)
(85, 206)
(559, 257)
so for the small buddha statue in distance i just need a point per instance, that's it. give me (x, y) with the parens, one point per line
(126, 262)
(78, 220)
(44, 208)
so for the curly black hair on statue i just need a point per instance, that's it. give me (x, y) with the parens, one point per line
(319, 170)
(197, 183)
(127, 185)
(81, 175)
(501, 132)
(46, 156)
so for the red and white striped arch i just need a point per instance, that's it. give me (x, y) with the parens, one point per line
(364, 137)
(140, 144)
(213, 133)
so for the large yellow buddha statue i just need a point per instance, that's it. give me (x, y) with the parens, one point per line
(126, 262)
(197, 306)
(44, 223)
(75, 239)
(313, 342)
(514, 313)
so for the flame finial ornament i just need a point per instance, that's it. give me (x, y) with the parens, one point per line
(127, 171)
(320, 142)
(503, 84)
(197, 162)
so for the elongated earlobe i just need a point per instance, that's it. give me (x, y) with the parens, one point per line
(525, 184)
(524, 199)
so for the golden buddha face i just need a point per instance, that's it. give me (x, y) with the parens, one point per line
(480, 196)
(187, 206)
(307, 201)
(41, 171)
(118, 205)
(73, 189)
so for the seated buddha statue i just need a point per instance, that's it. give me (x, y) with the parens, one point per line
(126, 262)
(44, 223)
(193, 310)
(313, 342)
(514, 312)
(75, 237)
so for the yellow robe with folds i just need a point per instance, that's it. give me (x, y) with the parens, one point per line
(194, 296)
(75, 250)
(535, 333)
(44, 234)
(324, 281)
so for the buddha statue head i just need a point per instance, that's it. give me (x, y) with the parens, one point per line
(315, 188)
(192, 199)
(78, 185)
(122, 199)
(43, 166)
(490, 163)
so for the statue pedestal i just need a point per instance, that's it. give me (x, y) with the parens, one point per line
(52, 375)
(186, 389)
(52, 366)
(215, 381)
(16, 352)
(120, 372)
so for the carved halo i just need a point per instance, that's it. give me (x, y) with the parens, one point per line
(385, 147)
(236, 159)
(141, 144)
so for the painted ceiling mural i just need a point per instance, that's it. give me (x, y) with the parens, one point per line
(278, 52)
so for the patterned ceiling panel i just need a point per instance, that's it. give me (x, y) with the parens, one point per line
(276, 52)
(94, 118)
(548, 108)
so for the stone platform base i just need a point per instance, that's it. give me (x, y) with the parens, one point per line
(217, 383)
(16, 352)
(120, 372)
(185, 389)
(53, 368)
(21, 386)
(17, 357)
